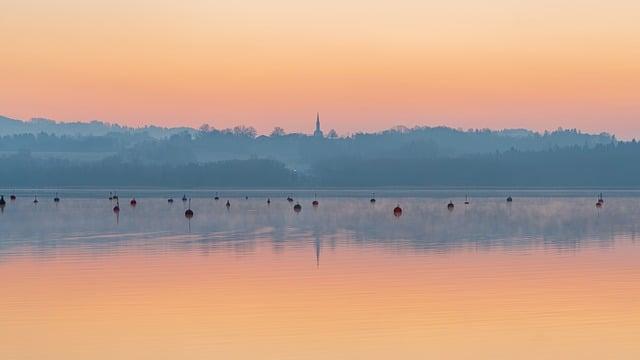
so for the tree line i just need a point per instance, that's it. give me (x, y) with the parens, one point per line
(605, 165)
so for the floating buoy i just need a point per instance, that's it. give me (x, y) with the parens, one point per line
(373, 198)
(170, 200)
(397, 211)
(509, 199)
(315, 202)
(450, 206)
(228, 204)
(116, 209)
(289, 199)
(133, 202)
(297, 207)
(188, 213)
(56, 199)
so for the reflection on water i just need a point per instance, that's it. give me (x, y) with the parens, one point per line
(543, 277)
(426, 224)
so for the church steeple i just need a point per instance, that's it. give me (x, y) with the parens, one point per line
(318, 132)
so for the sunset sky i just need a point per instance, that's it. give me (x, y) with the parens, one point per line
(364, 65)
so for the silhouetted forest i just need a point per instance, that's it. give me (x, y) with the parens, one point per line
(96, 140)
(422, 156)
(24, 171)
(613, 165)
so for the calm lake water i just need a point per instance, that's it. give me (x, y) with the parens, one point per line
(548, 276)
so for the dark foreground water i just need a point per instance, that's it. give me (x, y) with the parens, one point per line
(548, 276)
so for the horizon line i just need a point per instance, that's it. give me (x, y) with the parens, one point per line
(140, 127)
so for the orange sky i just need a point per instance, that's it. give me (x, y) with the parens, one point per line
(365, 65)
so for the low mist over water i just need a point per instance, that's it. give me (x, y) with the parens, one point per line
(548, 272)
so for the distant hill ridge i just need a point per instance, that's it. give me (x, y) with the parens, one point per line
(9, 126)
(95, 140)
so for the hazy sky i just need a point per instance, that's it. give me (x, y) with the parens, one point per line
(365, 65)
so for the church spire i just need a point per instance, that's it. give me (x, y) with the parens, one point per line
(318, 132)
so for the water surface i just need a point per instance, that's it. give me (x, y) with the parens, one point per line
(549, 276)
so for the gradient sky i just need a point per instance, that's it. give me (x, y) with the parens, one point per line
(365, 65)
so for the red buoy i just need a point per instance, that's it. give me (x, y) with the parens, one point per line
(188, 213)
(397, 211)
(116, 209)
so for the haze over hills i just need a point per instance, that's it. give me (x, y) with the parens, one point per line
(47, 153)
(9, 126)
(208, 143)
